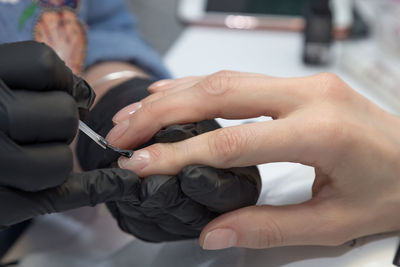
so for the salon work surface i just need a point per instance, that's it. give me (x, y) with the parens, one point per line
(201, 51)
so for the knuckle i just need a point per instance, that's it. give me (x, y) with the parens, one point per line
(148, 108)
(69, 110)
(40, 49)
(156, 152)
(48, 59)
(330, 85)
(68, 103)
(218, 83)
(270, 235)
(226, 144)
(165, 156)
(154, 97)
(328, 79)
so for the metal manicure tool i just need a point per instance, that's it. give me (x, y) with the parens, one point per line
(101, 141)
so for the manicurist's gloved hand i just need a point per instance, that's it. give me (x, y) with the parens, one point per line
(168, 207)
(180, 206)
(40, 104)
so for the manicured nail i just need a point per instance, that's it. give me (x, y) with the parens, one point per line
(126, 112)
(117, 131)
(220, 239)
(160, 83)
(139, 160)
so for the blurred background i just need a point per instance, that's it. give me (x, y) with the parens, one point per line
(365, 45)
(157, 21)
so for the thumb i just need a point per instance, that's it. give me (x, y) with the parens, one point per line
(269, 226)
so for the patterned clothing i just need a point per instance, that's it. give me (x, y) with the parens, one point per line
(82, 32)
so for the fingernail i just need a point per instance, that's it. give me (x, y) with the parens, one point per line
(139, 160)
(220, 239)
(117, 131)
(160, 84)
(126, 112)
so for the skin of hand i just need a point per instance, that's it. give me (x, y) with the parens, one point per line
(100, 70)
(319, 121)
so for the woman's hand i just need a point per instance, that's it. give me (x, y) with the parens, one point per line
(318, 121)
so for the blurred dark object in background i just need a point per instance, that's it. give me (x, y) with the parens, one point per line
(318, 33)
(271, 7)
(396, 260)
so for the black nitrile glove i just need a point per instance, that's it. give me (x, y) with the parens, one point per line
(34, 66)
(178, 207)
(39, 102)
(168, 207)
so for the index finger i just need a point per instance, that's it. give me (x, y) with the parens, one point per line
(224, 94)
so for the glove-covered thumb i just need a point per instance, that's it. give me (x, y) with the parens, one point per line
(84, 189)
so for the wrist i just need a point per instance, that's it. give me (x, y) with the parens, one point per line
(101, 79)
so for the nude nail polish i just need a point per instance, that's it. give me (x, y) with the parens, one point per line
(160, 84)
(126, 112)
(138, 161)
(117, 131)
(220, 239)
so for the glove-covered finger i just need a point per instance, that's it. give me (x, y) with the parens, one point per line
(165, 212)
(164, 192)
(221, 190)
(30, 65)
(32, 117)
(33, 167)
(143, 227)
(85, 189)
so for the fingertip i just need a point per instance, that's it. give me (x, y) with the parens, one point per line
(122, 162)
(232, 229)
(136, 163)
(160, 85)
(220, 233)
(220, 238)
